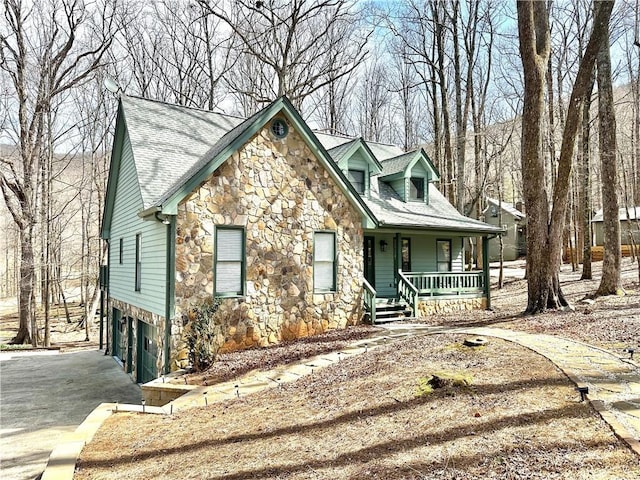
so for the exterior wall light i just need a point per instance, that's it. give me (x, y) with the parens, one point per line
(383, 245)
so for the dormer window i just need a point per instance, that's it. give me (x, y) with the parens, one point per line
(416, 189)
(356, 177)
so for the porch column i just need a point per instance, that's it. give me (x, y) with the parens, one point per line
(397, 261)
(486, 270)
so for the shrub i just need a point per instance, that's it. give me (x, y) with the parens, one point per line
(201, 335)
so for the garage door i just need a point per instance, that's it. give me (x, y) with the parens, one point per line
(122, 338)
(147, 352)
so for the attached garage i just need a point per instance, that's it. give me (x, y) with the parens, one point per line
(147, 353)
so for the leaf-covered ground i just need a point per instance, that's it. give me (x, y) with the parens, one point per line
(371, 416)
(611, 322)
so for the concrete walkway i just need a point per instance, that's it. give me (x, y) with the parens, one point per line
(45, 396)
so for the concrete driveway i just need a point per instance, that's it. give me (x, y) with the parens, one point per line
(45, 395)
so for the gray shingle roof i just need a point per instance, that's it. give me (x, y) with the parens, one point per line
(438, 214)
(168, 140)
(338, 152)
(397, 164)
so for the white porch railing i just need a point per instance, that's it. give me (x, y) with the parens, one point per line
(446, 283)
(407, 291)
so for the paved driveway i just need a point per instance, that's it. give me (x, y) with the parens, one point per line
(45, 395)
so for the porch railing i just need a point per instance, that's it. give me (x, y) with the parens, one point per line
(407, 291)
(369, 299)
(446, 283)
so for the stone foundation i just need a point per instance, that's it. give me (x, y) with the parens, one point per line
(431, 306)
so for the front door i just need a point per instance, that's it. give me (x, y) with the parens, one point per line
(369, 260)
(147, 352)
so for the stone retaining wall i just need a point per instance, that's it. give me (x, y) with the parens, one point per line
(430, 306)
(158, 394)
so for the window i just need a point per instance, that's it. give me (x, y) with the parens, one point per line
(356, 177)
(229, 265)
(416, 188)
(406, 255)
(443, 255)
(138, 262)
(324, 262)
(279, 128)
(120, 252)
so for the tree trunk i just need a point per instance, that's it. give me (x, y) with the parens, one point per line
(610, 281)
(586, 186)
(26, 302)
(544, 231)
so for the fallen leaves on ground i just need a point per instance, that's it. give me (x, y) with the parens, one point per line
(362, 418)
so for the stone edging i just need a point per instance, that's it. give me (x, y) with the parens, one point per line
(62, 461)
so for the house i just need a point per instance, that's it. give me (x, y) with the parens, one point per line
(513, 221)
(629, 226)
(292, 232)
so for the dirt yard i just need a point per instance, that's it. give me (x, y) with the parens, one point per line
(611, 322)
(375, 415)
(65, 336)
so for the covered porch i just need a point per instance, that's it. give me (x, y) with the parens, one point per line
(420, 273)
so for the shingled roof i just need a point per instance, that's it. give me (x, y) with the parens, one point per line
(168, 141)
(173, 145)
(391, 211)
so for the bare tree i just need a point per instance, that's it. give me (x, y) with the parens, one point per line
(301, 45)
(544, 230)
(610, 280)
(43, 55)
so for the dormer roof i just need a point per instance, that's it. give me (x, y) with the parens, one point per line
(401, 165)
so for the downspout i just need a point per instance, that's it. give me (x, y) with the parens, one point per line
(170, 288)
(106, 347)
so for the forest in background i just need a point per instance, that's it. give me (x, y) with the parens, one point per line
(445, 74)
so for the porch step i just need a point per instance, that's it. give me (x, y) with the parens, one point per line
(387, 312)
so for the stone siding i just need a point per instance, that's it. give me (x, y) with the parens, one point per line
(280, 194)
(429, 306)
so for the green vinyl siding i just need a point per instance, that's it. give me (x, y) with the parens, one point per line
(400, 187)
(423, 258)
(384, 268)
(126, 224)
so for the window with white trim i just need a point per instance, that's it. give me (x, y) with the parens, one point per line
(324, 262)
(229, 264)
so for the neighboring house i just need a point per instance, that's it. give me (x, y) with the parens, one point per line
(514, 223)
(629, 225)
(292, 232)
